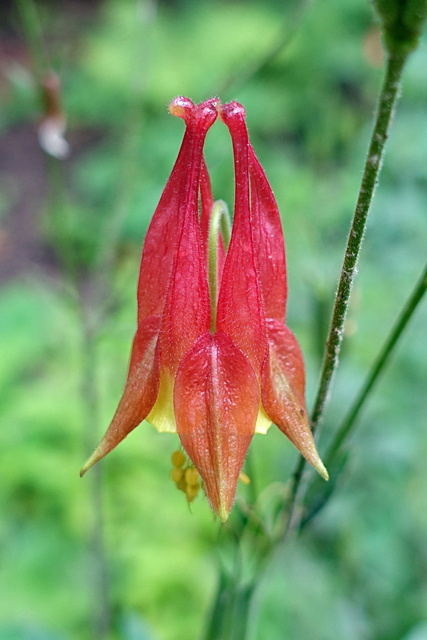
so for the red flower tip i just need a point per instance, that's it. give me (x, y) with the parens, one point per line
(181, 107)
(185, 108)
(207, 112)
(230, 111)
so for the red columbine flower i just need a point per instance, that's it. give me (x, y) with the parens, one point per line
(212, 358)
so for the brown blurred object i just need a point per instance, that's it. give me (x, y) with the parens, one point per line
(373, 48)
(53, 125)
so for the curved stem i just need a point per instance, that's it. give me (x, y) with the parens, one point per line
(219, 226)
(349, 422)
(387, 100)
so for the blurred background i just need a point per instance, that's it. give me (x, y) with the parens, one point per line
(119, 554)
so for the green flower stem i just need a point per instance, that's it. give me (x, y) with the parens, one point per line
(219, 224)
(388, 97)
(245, 550)
(231, 610)
(102, 614)
(349, 422)
(219, 613)
(32, 33)
(318, 495)
(387, 100)
(132, 132)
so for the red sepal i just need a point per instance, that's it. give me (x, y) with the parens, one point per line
(268, 239)
(140, 391)
(282, 391)
(216, 400)
(240, 309)
(187, 308)
(162, 235)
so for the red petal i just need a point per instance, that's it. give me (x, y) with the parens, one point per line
(207, 204)
(140, 391)
(146, 332)
(187, 308)
(282, 390)
(268, 241)
(216, 400)
(162, 235)
(240, 311)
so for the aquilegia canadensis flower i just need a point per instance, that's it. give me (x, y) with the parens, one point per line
(212, 358)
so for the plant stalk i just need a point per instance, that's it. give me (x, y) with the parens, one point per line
(383, 357)
(231, 610)
(387, 100)
(98, 556)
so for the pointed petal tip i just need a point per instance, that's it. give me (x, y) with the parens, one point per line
(222, 500)
(320, 468)
(99, 453)
(223, 511)
(312, 457)
(87, 465)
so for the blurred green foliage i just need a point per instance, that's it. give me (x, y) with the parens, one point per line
(360, 572)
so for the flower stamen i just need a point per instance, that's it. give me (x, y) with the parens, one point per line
(185, 475)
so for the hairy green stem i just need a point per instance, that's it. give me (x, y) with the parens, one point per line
(336, 456)
(387, 100)
(389, 94)
(349, 422)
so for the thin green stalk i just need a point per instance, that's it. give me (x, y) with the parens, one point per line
(383, 357)
(104, 276)
(59, 222)
(219, 220)
(221, 617)
(131, 124)
(237, 80)
(98, 557)
(318, 496)
(248, 558)
(387, 101)
(251, 472)
(59, 226)
(32, 32)
(231, 610)
(216, 622)
(389, 94)
(242, 611)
